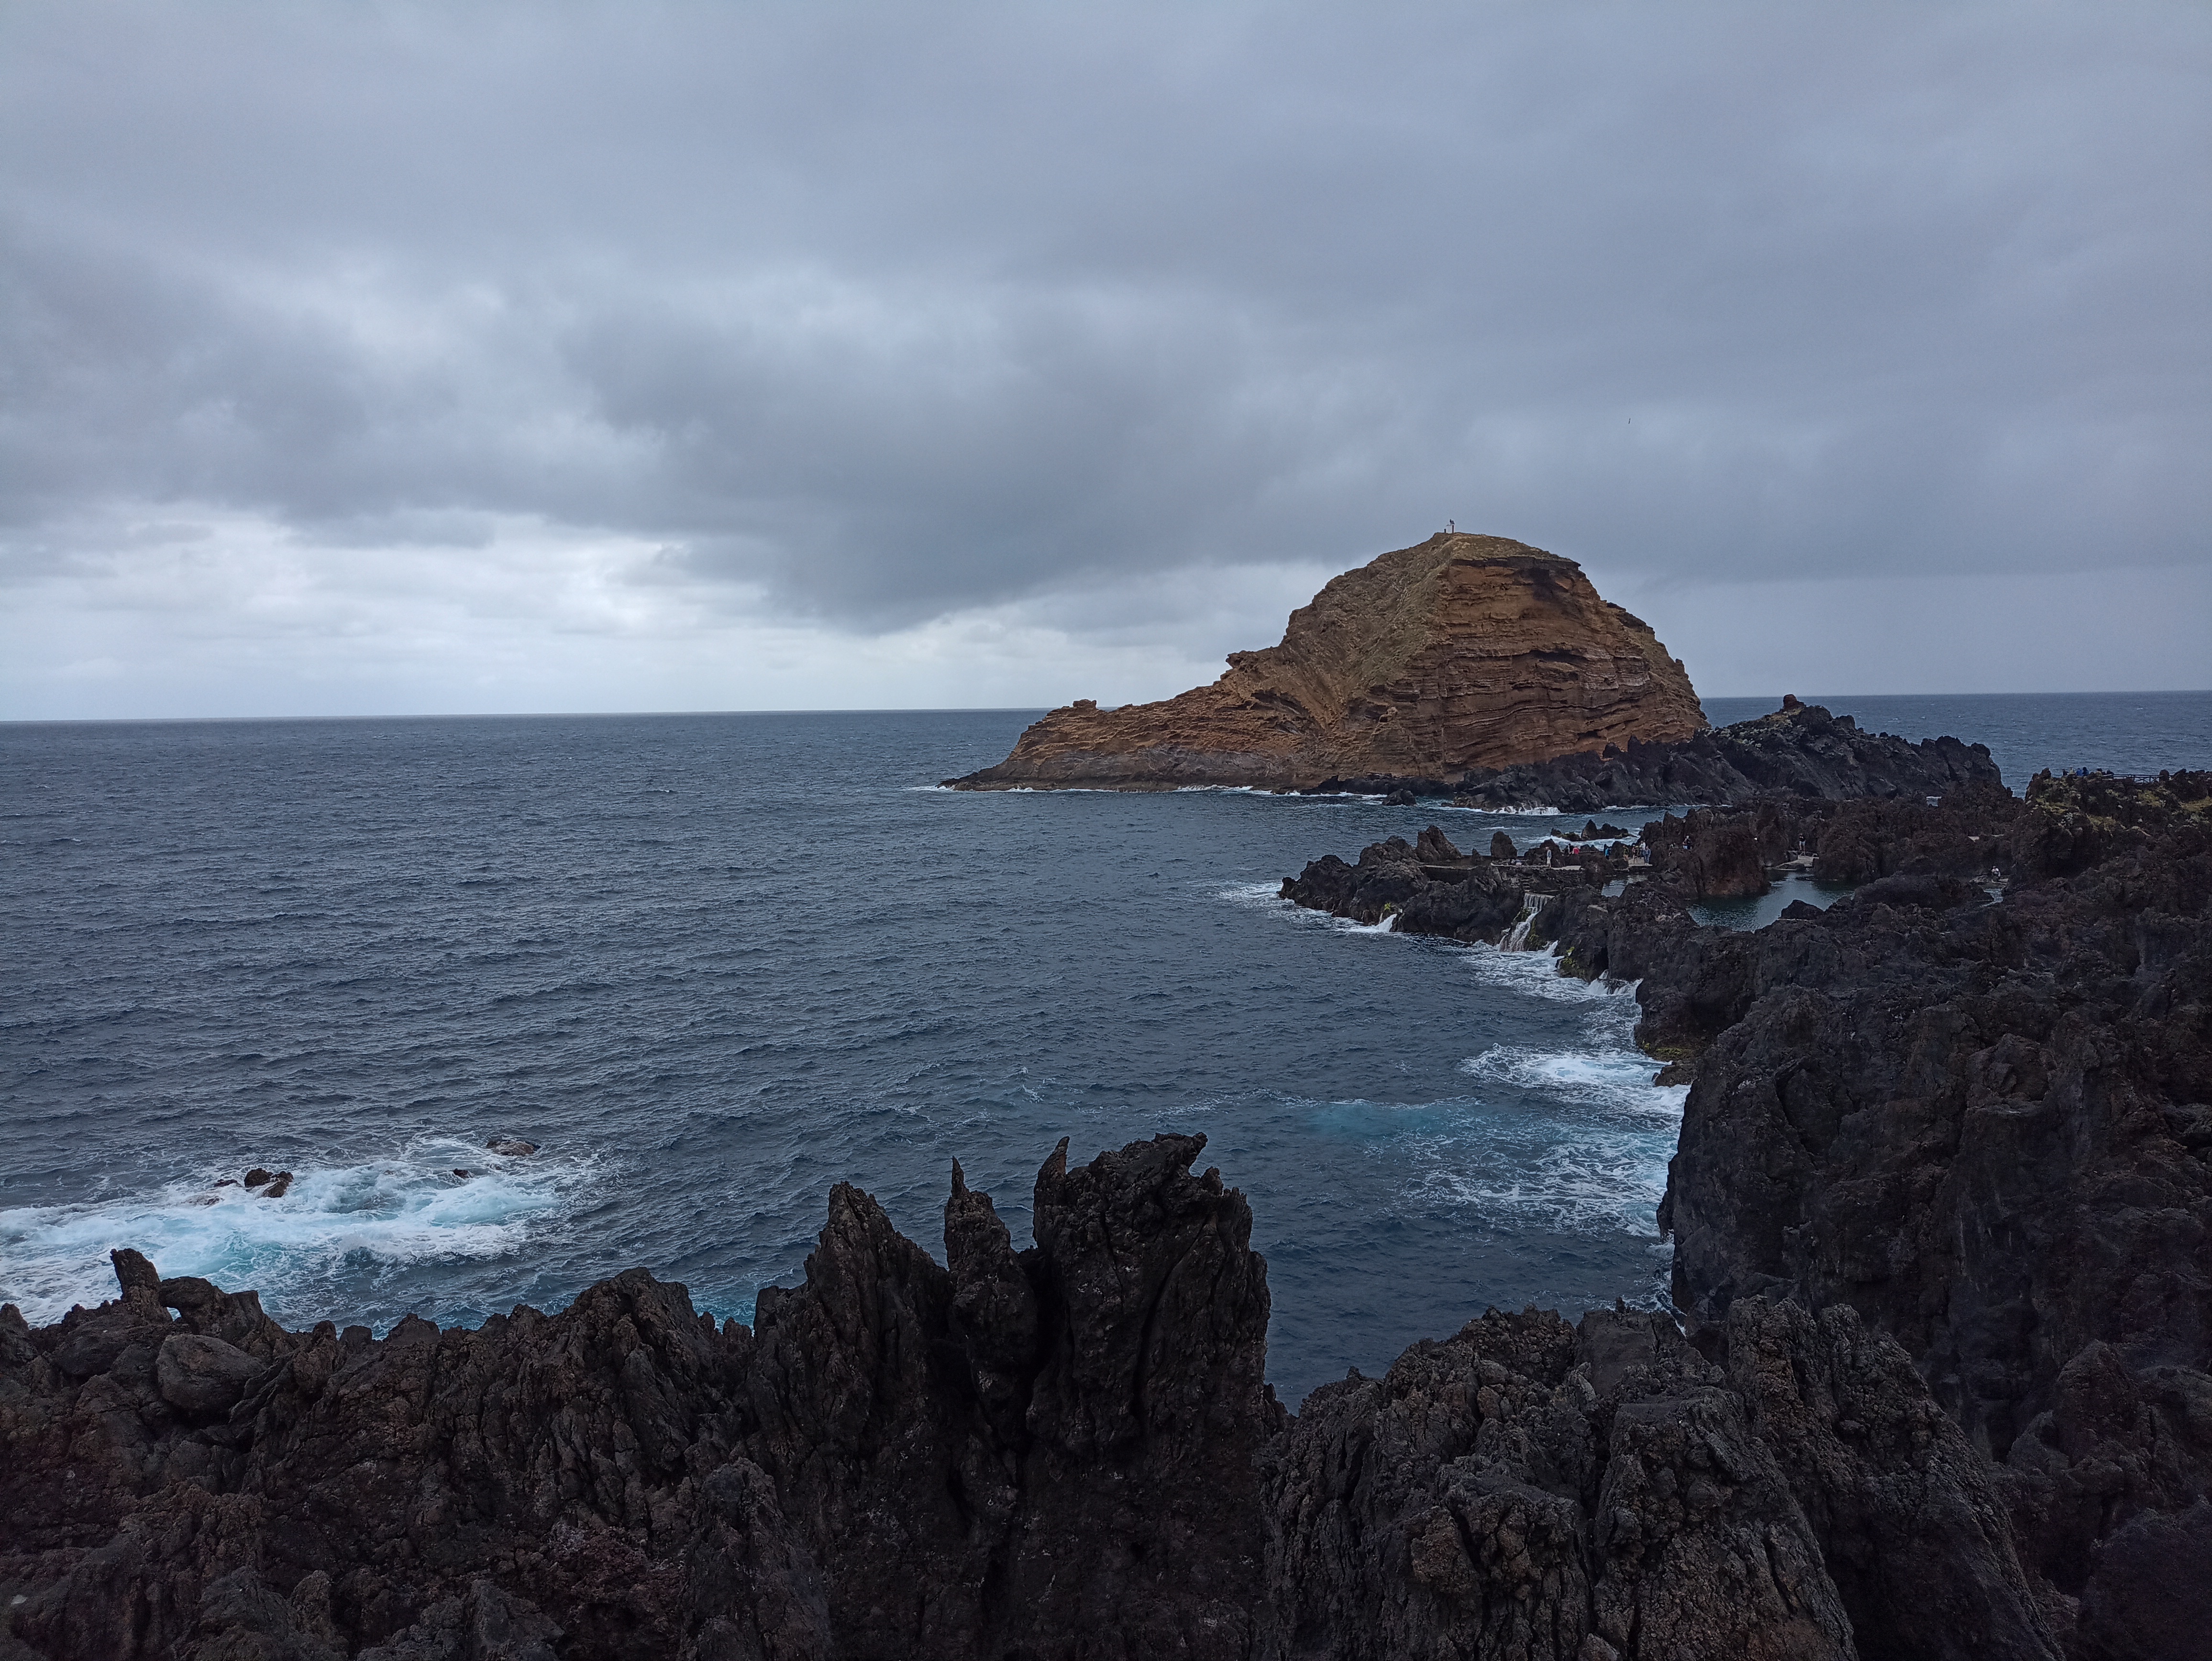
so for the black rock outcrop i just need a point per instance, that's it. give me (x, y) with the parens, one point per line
(1530, 1488)
(1048, 1452)
(1799, 750)
(1982, 1125)
(1066, 1452)
(1972, 1117)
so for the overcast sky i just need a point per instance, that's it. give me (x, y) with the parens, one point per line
(361, 358)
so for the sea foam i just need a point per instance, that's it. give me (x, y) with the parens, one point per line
(1612, 1078)
(407, 1209)
(1269, 896)
(1574, 1139)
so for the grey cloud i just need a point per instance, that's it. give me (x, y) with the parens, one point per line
(886, 312)
(1039, 439)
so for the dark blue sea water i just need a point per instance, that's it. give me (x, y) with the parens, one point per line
(712, 964)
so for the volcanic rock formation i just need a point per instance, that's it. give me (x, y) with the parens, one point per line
(1462, 652)
(1943, 1206)
(1800, 750)
(1063, 1452)
(993, 1457)
(1978, 1127)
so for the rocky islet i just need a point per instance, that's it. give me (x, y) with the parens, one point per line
(1476, 669)
(1459, 655)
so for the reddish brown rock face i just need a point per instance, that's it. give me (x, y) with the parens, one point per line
(1463, 652)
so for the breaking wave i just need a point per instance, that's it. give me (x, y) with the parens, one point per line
(410, 1209)
(1501, 1166)
(1613, 1079)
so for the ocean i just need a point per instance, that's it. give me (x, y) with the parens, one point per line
(712, 964)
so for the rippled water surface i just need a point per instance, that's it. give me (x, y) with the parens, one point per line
(712, 964)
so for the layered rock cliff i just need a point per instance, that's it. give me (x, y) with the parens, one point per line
(1462, 652)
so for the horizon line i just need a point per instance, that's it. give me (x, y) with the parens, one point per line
(932, 709)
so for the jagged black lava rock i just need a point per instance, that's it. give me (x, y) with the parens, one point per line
(1800, 751)
(1064, 1451)
(1980, 1121)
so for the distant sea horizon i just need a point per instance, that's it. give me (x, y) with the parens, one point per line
(2026, 731)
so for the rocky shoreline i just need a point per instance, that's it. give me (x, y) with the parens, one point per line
(1064, 1451)
(1941, 1209)
(1966, 1108)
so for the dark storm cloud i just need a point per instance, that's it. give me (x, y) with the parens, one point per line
(888, 312)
